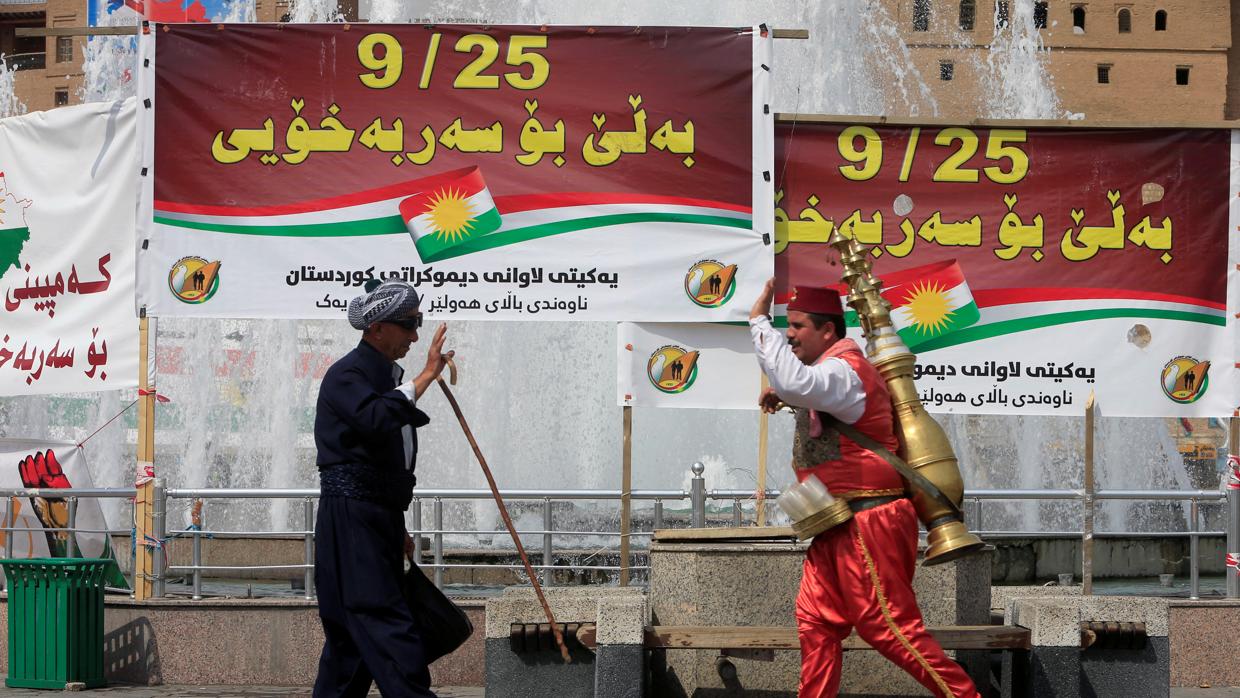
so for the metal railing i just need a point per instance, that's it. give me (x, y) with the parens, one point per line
(698, 498)
(25, 61)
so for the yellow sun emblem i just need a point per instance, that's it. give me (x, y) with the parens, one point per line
(928, 307)
(451, 215)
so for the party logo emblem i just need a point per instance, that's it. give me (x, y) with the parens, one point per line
(1185, 379)
(710, 284)
(672, 369)
(194, 279)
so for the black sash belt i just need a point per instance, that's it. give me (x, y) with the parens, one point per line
(863, 503)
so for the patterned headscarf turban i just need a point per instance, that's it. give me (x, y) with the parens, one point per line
(388, 300)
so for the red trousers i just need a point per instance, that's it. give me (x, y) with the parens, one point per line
(860, 575)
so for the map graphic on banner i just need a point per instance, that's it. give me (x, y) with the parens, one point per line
(51, 465)
(66, 250)
(708, 366)
(506, 172)
(1023, 273)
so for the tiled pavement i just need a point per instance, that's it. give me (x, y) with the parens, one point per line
(213, 692)
(442, 692)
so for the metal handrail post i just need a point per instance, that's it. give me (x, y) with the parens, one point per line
(308, 509)
(10, 519)
(736, 512)
(416, 510)
(73, 549)
(1232, 570)
(697, 495)
(159, 527)
(547, 573)
(437, 541)
(1194, 581)
(658, 514)
(196, 555)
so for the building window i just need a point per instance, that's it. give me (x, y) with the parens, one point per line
(1104, 74)
(64, 49)
(1160, 21)
(1078, 17)
(1181, 74)
(1039, 15)
(968, 13)
(921, 15)
(1125, 21)
(1001, 13)
(61, 97)
(947, 70)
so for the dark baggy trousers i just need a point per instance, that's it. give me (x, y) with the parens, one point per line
(369, 632)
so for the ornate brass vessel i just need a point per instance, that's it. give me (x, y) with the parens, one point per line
(923, 444)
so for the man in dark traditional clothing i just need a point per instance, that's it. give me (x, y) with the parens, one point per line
(367, 448)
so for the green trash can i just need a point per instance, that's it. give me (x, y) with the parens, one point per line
(55, 622)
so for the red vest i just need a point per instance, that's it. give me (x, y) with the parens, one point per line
(839, 462)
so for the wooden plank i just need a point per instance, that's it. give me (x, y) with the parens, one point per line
(790, 33)
(74, 31)
(721, 535)
(144, 499)
(763, 437)
(957, 637)
(1082, 124)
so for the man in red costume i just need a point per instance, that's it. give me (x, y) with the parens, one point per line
(859, 574)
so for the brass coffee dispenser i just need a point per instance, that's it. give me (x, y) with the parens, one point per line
(929, 463)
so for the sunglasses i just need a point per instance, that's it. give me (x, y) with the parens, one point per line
(408, 323)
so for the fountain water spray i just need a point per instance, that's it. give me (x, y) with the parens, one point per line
(244, 391)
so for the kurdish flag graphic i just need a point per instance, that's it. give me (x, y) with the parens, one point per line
(929, 302)
(448, 209)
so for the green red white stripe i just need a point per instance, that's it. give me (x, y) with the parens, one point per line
(522, 217)
(1005, 311)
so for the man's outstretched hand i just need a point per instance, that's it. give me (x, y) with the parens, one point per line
(762, 306)
(769, 401)
(436, 359)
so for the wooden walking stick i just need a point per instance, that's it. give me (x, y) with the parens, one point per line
(503, 511)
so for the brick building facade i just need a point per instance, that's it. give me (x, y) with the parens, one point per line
(1112, 60)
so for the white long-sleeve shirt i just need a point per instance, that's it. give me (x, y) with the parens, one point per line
(830, 385)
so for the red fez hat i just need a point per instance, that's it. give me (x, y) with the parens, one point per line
(822, 301)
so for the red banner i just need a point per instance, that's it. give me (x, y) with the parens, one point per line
(1066, 188)
(1029, 268)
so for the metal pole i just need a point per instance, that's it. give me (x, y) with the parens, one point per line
(1087, 525)
(658, 514)
(1233, 543)
(159, 531)
(417, 531)
(697, 496)
(308, 508)
(70, 532)
(547, 561)
(736, 512)
(437, 540)
(10, 518)
(1232, 570)
(196, 556)
(1194, 582)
